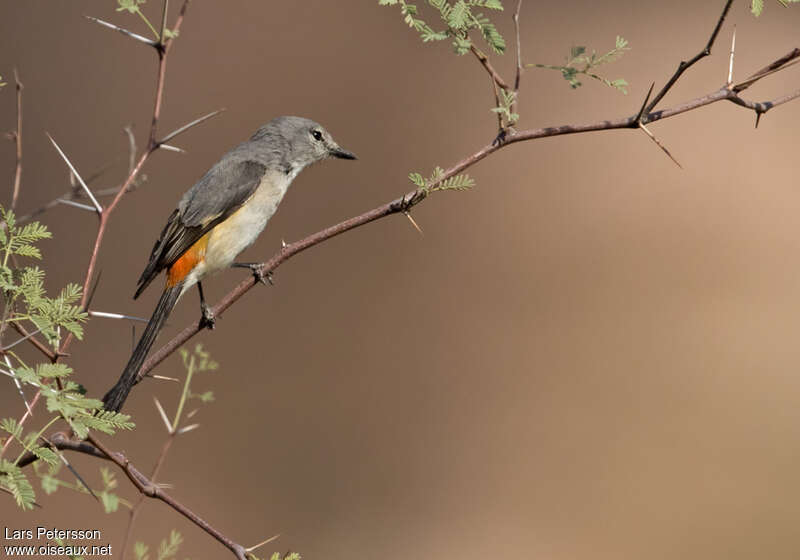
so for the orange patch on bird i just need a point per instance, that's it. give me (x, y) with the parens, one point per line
(184, 265)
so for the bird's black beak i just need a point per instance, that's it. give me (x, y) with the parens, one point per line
(338, 152)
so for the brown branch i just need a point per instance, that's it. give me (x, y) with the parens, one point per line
(125, 32)
(413, 198)
(134, 513)
(484, 60)
(684, 65)
(518, 75)
(145, 485)
(28, 414)
(781, 64)
(40, 346)
(151, 490)
(163, 50)
(76, 193)
(18, 141)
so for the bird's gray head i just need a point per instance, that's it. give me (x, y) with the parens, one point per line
(298, 142)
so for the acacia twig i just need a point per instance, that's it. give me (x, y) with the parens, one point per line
(684, 65)
(151, 490)
(484, 60)
(18, 142)
(125, 32)
(412, 198)
(134, 512)
(518, 75)
(105, 213)
(93, 447)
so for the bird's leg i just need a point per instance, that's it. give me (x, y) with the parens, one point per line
(258, 272)
(207, 319)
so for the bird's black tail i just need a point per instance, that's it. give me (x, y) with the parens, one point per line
(115, 397)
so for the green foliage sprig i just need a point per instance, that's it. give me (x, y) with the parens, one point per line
(580, 62)
(167, 548)
(506, 108)
(459, 19)
(23, 288)
(757, 6)
(434, 183)
(134, 7)
(25, 300)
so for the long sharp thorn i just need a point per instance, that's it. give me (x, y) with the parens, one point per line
(262, 543)
(189, 428)
(23, 339)
(171, 148)
(163, 416)
(189, 125)
(130, 34)
(659, 144)
(74, 204)
(730, 65)
(108, 315)
(644, 105)
(19, 386)
(77, 176)
(71, 469)
(413, 222)
(165, 378)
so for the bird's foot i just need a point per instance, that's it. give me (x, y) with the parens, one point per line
(258, 272)
(207, 318)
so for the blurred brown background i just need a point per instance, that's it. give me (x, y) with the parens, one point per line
(592, 355)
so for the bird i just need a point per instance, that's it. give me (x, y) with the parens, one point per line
(219, 217)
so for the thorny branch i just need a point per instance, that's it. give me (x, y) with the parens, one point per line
(60, 440)
(400, 205)
(412, 198)
(145, 485)
(683, 66)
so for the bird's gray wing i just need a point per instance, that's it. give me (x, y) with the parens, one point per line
(217, 195)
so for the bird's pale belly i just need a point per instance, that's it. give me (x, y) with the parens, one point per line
(238, 231)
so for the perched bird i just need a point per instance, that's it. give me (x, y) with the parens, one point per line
(219, 217)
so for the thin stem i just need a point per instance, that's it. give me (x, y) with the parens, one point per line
(151, 490)
(147, 21)
(28, 414)
(38, 435)
(163, 34)
(683, 66)
(484, 60)
(18, 141)
(184, 394)
(134, 512)
(412, 198)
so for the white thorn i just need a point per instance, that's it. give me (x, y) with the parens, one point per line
(74, 204)
(77, 176)
(165, 378)
(108, 315)
(163, 415)
(262, 543)
(172, 148)
(188, 428)
(19, 386)
(733, 48)
(130, 34)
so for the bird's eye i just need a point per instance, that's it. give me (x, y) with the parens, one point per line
(317, 135)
